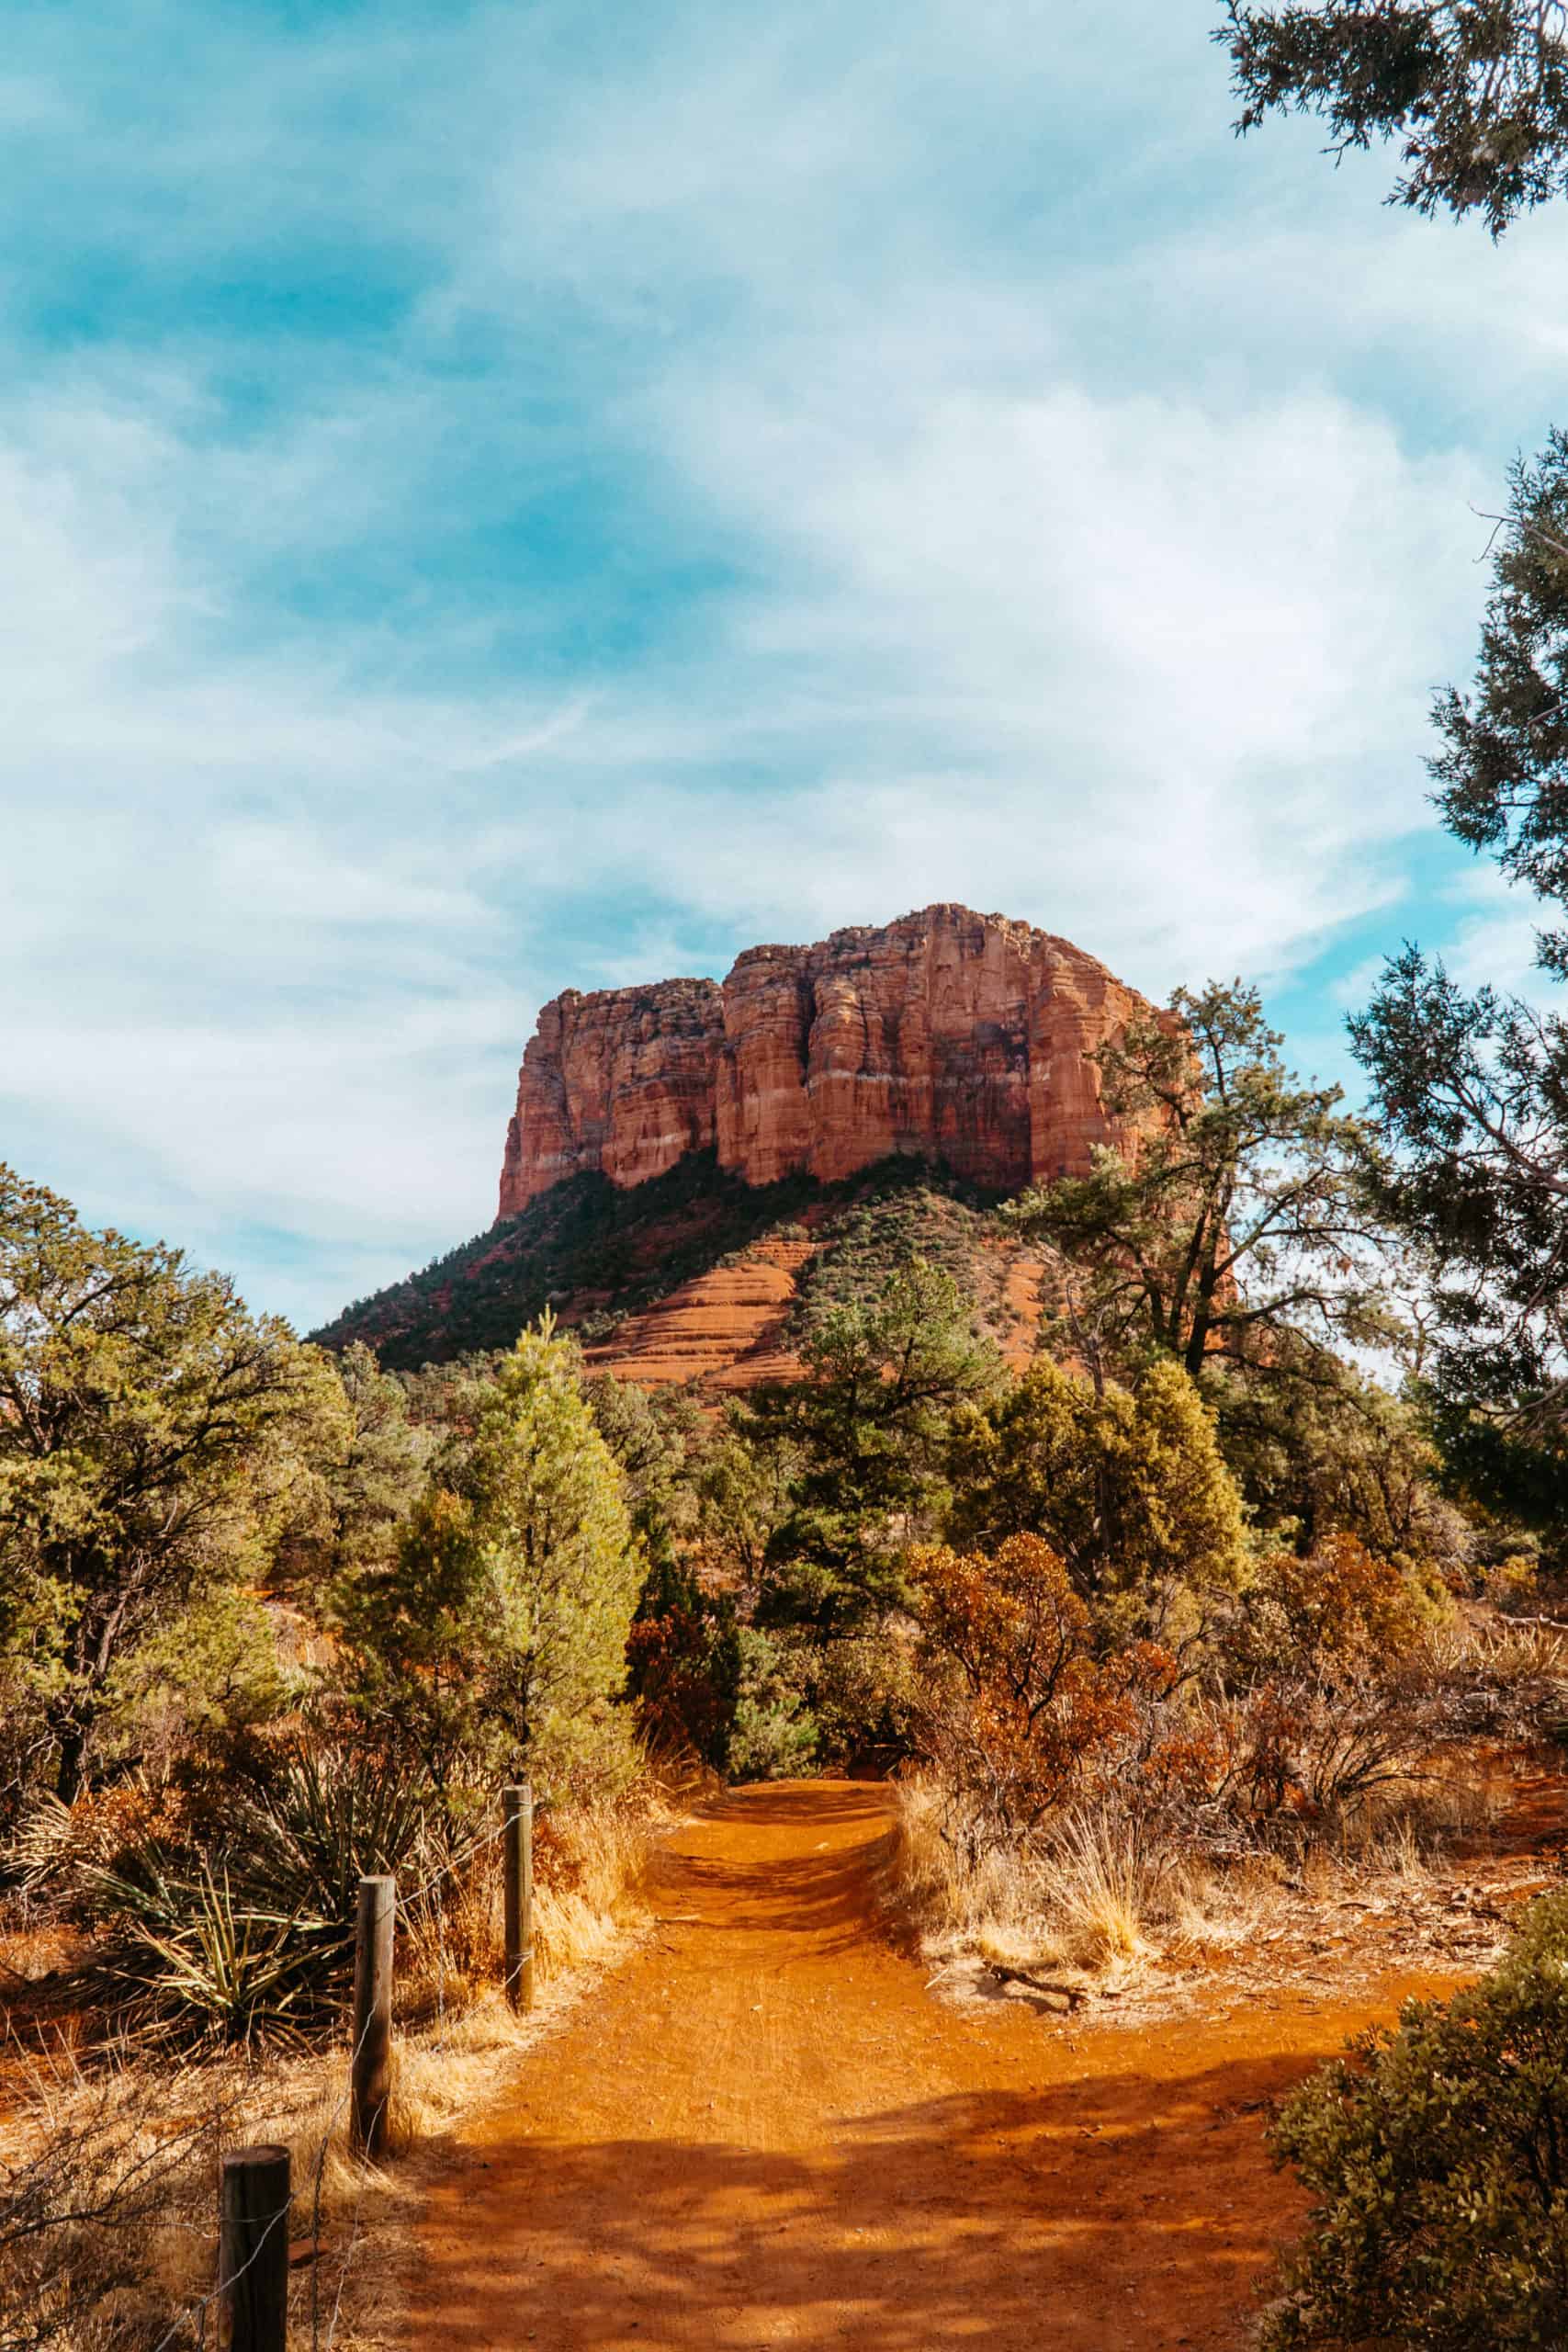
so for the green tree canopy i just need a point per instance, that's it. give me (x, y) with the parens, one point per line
(155, 1436)
(867, 1428)
(1503, 770)
(651, 1432)
(1476, 91)
(1240, 1209)
(1471, 1088)
(366, 1486)
(1129, 1487)
(746, 1492)
(1315, 1445)
(501, 1631)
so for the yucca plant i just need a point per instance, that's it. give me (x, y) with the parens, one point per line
(198, 1960)
(256, 1937)
(335, 1814)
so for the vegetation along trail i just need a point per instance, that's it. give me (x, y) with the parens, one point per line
(765, 2129)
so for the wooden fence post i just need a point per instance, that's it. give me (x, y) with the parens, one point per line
(517, 1847)
(371, 2065)
(252, 2249)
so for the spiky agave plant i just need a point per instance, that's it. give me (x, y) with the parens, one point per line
(336, 1813)
(195, 1960)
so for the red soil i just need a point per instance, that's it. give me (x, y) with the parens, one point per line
(722, 1332)
(763, 2130)
(1023, 1298)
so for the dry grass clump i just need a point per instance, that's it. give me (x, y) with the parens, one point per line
(108, 2191)
(1089, 1892)
(1103, 1885)
(1097, 1894)
(589, 1860)
(1487, 1672)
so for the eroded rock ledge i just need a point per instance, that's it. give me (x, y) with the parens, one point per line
(963, 1036)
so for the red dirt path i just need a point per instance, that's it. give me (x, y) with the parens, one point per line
(763, 2130)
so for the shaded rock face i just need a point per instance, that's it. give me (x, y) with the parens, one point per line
(962, 1037)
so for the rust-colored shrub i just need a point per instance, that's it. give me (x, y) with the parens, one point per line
(1014, 1710)
(683, 1682)
(1342, 1602)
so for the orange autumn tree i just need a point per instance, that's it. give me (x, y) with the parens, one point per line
(1338, 1610)
(1016, 1711)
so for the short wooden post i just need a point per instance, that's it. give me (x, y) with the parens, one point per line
(371, 2063)
(252, 2249)
(517, 1847)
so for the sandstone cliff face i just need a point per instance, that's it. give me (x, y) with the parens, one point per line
(622, 1080)
(960, 1035)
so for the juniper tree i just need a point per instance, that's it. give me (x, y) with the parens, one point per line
(1236, 1210)
(1471, 1087)
(1128, 1486)
(155, 1436)
(500, 1633)
(865, 1431)
(1475, 91)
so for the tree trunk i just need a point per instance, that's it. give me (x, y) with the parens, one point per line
(72, 1739)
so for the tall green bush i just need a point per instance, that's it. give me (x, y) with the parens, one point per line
(499, 1638)
(155, 1438)
(868, 1430)
(1128, 1485)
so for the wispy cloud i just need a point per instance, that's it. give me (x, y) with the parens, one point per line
(495, 500)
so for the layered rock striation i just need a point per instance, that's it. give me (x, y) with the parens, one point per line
(959, 1037)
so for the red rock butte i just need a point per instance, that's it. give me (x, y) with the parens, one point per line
(962, 1038)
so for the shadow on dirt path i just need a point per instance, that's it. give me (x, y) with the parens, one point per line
(763, 2130)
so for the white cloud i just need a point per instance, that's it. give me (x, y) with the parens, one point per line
(1495, 943)
(1024, 498)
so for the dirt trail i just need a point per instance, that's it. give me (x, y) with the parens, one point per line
(763, 2130)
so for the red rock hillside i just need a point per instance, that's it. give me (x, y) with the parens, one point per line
(962, 1037)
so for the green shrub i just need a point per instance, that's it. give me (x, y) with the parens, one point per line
(1437, 2157)
(771, 1734)
(863, 1694)
(1128, 1485)
(497, 1639)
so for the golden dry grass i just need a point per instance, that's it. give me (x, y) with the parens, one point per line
(1099, 1902)
(1089, 1900)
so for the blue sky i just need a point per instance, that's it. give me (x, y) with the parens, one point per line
(502, 498)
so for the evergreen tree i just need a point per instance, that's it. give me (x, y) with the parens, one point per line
(365, 1488)
(1503, 772)
(652, 1434)
(1128, 1486)
(869, 1425)
(1476, 91)
(499, 1637)
(1472, 1088)
(154, 1438)
(1238, 1209)
(1315, 1446)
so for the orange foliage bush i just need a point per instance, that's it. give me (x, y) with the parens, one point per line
(1015, 1710)
(1342, 1601)
(1020, 1716)
(682, 1704)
